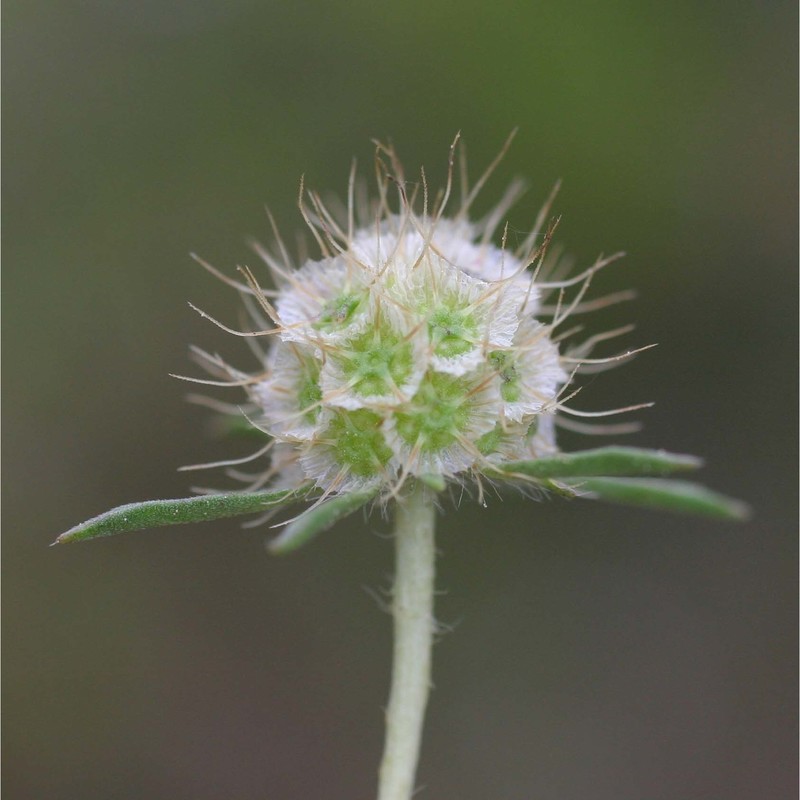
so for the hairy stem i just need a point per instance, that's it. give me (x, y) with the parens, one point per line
(412, 609)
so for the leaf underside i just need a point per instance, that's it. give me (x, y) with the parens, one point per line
(603, 461)
(155, 513)
(681, 496)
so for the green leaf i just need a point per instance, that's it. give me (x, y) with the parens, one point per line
(681, 496)
(602, 461)
(153, 513)
(318, 519)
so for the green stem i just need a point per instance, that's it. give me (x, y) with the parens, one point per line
(412, 610)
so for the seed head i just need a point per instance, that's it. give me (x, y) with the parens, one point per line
(414, 346)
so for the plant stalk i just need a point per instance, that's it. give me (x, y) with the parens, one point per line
(412, 611)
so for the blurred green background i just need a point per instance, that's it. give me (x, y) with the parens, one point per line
(595, 652)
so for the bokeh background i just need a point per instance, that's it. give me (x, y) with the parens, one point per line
(595, 652)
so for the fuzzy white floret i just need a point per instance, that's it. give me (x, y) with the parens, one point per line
(543, 442)
(484, 409)
(286, 465)
(338, 389)
(313, 286)
(430, 286)
(401, 241)
(539, 369)
(318, 462)
(456, 241)
(278, 396)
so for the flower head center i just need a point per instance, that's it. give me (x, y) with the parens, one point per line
(452, 331)
(377, 362)
(437, 414)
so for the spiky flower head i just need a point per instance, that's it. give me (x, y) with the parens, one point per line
(416, 345)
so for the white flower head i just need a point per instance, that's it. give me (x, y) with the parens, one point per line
(415, 345)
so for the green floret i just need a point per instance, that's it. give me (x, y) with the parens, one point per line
(307, 388)
(339, 311)
(309, 394)
(358, 442)
(507, 370)
(376, 362)
(437, 414)
(452, 330)
(490, 442)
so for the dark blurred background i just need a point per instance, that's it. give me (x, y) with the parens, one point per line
(596, 652)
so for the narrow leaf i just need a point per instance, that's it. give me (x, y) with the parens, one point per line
(602, 461)
(153, 513)
(690, 498)
(318, 519)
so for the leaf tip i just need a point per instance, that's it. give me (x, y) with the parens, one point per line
(277, 547)
(684, 460)
(738, 510)
(66, 537)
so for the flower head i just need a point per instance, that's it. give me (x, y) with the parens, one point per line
(415, 345)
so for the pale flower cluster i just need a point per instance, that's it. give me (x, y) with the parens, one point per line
(413, 347)
(393, 359)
